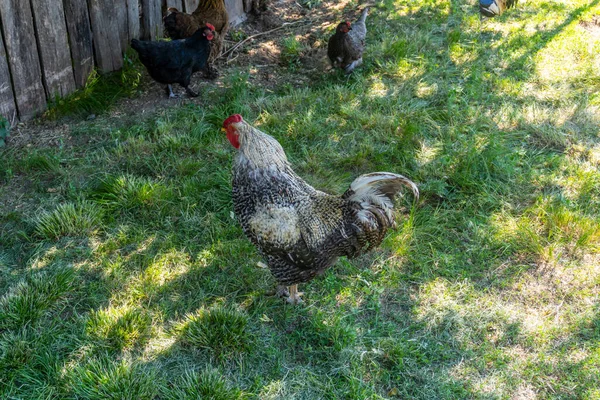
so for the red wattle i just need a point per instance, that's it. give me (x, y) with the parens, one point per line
(233, 139)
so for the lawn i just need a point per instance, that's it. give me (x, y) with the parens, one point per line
(124, 275)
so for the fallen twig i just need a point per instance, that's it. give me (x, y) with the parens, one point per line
(285, 24)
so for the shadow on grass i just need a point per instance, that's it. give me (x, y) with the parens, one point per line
(371, 342)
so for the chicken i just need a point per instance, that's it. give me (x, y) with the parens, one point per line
(346, 46)
(299, 230)
(492, 8)
(179, 25)
(176, 61)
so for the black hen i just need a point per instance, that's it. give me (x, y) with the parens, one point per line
(492, 8)
(176, 61)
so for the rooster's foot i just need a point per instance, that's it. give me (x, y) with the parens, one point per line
(170, 92)
(282, 291)
(294, 296)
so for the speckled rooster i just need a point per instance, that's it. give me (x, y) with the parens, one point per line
(299, 230)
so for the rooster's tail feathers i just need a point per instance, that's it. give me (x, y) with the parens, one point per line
(364, 14)
(379, 189)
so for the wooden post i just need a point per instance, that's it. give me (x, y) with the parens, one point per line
(133, 19)
(235, 10)
(51, 31)
(178, 4)
(107, 39)
(191, 5)
(7, 98)
(152, 19)
(23, 60)
(80, 37)
(120, 14)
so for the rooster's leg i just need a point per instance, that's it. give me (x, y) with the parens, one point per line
(170, 92)
(282, 291)
(294, 297)
(191, 92)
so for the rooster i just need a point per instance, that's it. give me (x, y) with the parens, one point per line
(179, 25)
(492, 8)
(346, 46)
(176, 61)
(299, 230)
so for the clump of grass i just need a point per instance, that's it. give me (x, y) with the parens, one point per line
(29, 299)
(100, 91)
(207, 384)
(310, 4)
(103, 379)
(222, 330)
(291, 51)
(69, 219)
(41, 162)
(16, 349)
(119, 329)
(129, 192)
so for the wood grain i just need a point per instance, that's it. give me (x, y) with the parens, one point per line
(191, 5)
(152, 19)
(80, 39)
(107, 39)
(7, 98)
(53, 46)
(133, 19)
(23, 59)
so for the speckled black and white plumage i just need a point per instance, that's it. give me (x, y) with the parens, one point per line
(299, 230)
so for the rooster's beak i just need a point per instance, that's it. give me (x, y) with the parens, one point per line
(223, 130)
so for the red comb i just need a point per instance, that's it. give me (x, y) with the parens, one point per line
(211, 27)
(348, 23)
(232, 120)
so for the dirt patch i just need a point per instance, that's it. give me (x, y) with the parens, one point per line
(592, 26)
(263, 52)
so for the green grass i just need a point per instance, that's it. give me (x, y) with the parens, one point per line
(100, 91)
(124, 275)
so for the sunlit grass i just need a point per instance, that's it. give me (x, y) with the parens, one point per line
(123, 273)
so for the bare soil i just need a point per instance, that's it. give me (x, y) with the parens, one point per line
(262, 52)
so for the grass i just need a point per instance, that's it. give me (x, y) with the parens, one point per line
(124, 275)
(100, 91)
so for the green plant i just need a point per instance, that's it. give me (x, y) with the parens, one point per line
(4, 131)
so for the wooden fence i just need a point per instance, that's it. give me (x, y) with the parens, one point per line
(48, 48)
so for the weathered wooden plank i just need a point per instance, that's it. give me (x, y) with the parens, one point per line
(120, 14)
(53, 46)
(191, 5)
(133, 19)
(178, 4)
(152, 19)
(21, 48)
(80, 38)
(8, 107)
(107, 39)
(235, 11)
